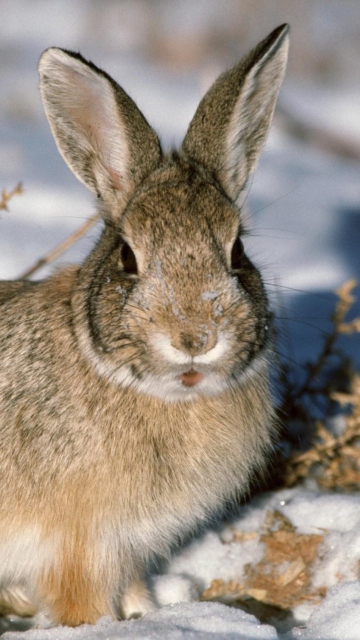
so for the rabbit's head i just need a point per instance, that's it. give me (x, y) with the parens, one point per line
(168, 301)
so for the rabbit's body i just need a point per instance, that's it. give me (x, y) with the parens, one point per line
(101, 476)
(134, 395)
(11, 288)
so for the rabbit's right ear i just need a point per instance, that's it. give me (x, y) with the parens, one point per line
(98, 129)
(230, 125)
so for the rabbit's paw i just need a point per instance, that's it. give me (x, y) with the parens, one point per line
(137, 600)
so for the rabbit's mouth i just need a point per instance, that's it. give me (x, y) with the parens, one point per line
(191, 378)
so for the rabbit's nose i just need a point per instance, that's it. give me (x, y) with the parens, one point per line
(197, 342)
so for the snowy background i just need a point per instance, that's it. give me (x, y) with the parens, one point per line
(305, 206)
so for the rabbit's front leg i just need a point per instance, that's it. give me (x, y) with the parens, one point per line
(77, 591)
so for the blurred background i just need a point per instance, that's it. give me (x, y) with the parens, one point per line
(178, 37)
(305, 195)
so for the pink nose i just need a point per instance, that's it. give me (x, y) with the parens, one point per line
(191, 378)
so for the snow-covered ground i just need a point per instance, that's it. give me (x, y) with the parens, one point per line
(305, 219)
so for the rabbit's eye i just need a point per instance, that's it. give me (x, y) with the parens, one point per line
(128, 259)
(237, 254)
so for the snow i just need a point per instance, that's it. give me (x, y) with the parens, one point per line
(305, 234)
(338, 617)
(201, 621)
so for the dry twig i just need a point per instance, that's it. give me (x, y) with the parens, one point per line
(61, 248)
(332, 461)
(329, 373)
(323, 138)
(7, 195)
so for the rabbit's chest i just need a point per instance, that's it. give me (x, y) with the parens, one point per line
(183, 461)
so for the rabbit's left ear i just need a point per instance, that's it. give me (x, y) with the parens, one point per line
(230, 125)
(98, 129)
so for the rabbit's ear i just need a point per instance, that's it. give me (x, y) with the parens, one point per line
(230, 125)
(98, 129)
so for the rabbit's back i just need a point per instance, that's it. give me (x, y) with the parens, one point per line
(11, 288)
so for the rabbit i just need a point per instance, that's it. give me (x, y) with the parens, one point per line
(134, 389)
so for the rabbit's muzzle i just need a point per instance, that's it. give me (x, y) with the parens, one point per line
(195, 343)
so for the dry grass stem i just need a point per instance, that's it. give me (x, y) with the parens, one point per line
(323, 378)
(61, 248)
(323, 138)
(7, 195)
(333, 461)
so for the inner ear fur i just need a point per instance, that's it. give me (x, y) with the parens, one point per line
(99, 131)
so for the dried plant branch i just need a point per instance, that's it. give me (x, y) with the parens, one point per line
(61, 248)
(323, 138)
(345, 300)
(332, 461)
(322, 377)
(7, 195)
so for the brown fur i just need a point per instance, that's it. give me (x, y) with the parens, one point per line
(107, 459)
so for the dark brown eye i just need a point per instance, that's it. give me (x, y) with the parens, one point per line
(128, 259)
(237, 254)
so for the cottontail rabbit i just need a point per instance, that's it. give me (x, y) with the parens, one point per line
(134, 395)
